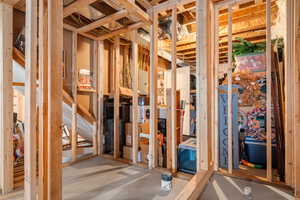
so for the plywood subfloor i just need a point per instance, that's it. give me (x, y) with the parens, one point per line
(226, 188)
(105, 179)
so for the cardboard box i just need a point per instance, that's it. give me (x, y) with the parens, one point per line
(128, 134)
(127, 152)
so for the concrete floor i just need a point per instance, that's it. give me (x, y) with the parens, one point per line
(227, 188)
(100, 178)
(104, 179)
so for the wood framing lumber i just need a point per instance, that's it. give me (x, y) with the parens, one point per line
(216, 89)
(6, 99)
(10, 2)
(229, 91)
(117, 98)
(55, 48)
(135, 10)
(167, 5)
(30, 146)
(135, 81)
(94, 106)
(102, 21)
(101, 66)
(152, 163)
(121, 31)
(194, 188)
(145, 3)
(169, 134)
(201, 87)
(173, 92)
(74, 137)
(289, 89)
(296, 57)
(75, 6)
(74, 132)
(43, 100)
(269, 95)
(95, 139)
(73, 29)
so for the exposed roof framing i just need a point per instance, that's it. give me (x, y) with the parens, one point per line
(121, 31)
(76, 6)
(248, 22)
(117, 17)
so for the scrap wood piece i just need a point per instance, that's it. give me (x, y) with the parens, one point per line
(195, 186)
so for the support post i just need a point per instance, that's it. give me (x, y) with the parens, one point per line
(74, 137)
(201, 86)
(269, 95)
(55, 48)
(173, 93)
(289, 89)
(296, 57)
(95, 141)
(117, 98)
(74, 132)
(229, 87)
(6, 99)
(216, 91)
(101, 67)
(95, 95)
(135, 81)
(43, 102)
(30, 146)
(152, 163)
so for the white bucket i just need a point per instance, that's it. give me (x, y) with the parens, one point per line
(166, 185)
(166, 182)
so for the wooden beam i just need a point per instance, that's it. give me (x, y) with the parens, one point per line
(117, 98)
(289, 89)
(43, 100)
(95, 94)
(73, 29)
(145, 3)
(95, 139)
(173, 92)
(74, 137)
(55, 48)
(30, 146)
(296, 57)
(102, 21)
(10, 2)
(101, 66)
(153, 91)
(135, 10)
(76, 6)
(269, 95)
(167, 5)
(194, 188)
(216, 89)
(201, 87)
(169, 132)
(6, 99)
(135, 82)
(229, 91)
(121, 31)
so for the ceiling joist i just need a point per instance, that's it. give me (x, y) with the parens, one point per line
(118, 15)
